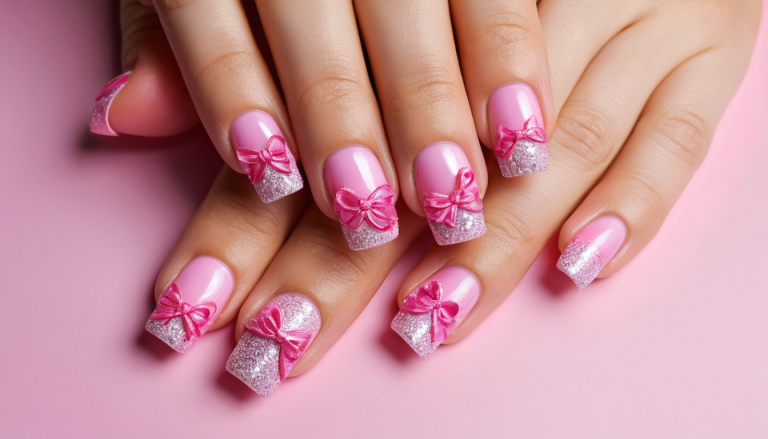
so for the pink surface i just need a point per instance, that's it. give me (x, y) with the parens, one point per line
(512, 105)
(437, 166)
(355, 167)
(673, 346)
(206, 279)
(459, 285)
(253, 129)
(608, 232)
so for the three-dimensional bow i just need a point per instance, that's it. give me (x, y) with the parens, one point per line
(193, 318)
(428, 299)
(268, 324)
(508, 137)
(378, 210)
(274, 155)
(442, 208)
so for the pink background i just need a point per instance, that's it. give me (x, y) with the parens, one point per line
(673, 346)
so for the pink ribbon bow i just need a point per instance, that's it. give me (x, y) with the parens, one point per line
(378, 210)
(273, 155)
(442, 208)
(292, 343)
(428, 300)
(171, 306)
(508, 137)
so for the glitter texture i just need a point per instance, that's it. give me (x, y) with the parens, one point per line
(365, 236)
(276, 185)
(100, 116)
(255, 360)
(172, 334)
(469, 225)
(415, 330)
(581, 261)
(528, 157)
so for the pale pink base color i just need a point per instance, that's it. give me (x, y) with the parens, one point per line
(204, 279)
(253, 129)
(592, 249)
(459, 285)
(100, 116)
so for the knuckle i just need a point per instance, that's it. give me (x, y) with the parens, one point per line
(506, 232)
(334, 81)
(683, 134)
(172, 5)
(136, 21)
(233, 61)
(502, 32)
(244, 216)
(431, 84)
(587, 135)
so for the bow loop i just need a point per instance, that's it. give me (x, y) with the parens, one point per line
(268, 324)
(428, 299)
(171, 305)
(378, 209)
(443, 208)
(275, 155)
(508, 137)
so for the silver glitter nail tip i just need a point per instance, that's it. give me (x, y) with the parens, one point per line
(528, 157)
(468, 226)
(416, 331)
(172, 334)
(365, 236)
(256, 360)
(276, 185)
(581, 261)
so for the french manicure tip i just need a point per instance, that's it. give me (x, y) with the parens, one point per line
(99, 123)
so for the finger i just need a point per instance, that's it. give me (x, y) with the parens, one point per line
(627, 207)
(319, 59)
(149, 99)
(429, 123)
(507, 76)
(521, 216)
(233, 91)
(224, 250)
(313, 291)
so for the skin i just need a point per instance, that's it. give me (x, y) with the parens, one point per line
(628, 126)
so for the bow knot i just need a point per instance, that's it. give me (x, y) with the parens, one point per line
(378, 209)
(193, 318)
(274, 155)
(443, 208)
(428, 299)
(508, 137)
(268, 324)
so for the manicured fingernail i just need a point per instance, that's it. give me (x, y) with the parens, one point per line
(274, 341)
(449, 193)
(592, 249)
(191, 303)
(100, 115)
(431, 312)
(264, 156)
(363, 200)
(515, 118)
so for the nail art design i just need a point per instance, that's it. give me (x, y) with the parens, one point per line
(521, 145)
(190, 305)
(434, 310)
(592, 249)
(274, 341)
(264, 156)
(363, 200)
(100, 115)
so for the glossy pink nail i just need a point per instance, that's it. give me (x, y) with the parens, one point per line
(264, 156)
(449, 193)
(592, 249)
(516, 121)
(191, 303)
(100, 115)
(274, 341)
(432, 311)
(363, 199)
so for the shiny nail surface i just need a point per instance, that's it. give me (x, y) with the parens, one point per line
(191, 303)
(264, 156)
(274, 341)
(449, 193)
(592, 249)
(515, 120)
(100, 115)
(432, 311)
(363, 200)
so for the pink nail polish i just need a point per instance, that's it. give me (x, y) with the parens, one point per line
(100, 115)
(264, 156)
(363, 199)
(191, 303)
(432, 311)
(449, 193)
(274, 341)
(592, 249)
(515, 118)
